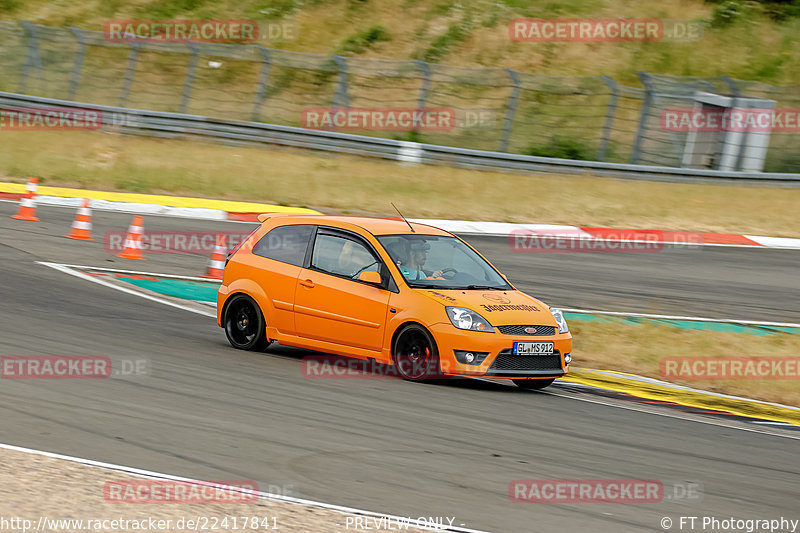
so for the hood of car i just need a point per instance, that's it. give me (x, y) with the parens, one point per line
(500, 308)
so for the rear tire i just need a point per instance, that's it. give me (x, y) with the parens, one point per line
(533, 384)
(244, 324)
(415, 355)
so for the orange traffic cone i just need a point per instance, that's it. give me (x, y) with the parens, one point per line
(133, 240)
(217, 262)
(27, 205)
(82, 226)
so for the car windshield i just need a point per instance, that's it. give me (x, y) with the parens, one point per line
(433, 261)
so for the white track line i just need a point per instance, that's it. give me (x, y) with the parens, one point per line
(263, 495)
(570, 310)
(668, 385)
(608, 403)
(137, 272)
(668, 415)
(674, 317)
(67, 270)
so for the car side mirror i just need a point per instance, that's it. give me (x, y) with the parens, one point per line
(370, 276)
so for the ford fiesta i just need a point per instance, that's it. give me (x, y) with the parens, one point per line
(402, 294)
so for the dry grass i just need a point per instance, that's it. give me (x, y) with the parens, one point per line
(754, 46)
(639, 349)
(350, 184)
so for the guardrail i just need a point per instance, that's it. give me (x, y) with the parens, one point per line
(590, 118)
(163, 124)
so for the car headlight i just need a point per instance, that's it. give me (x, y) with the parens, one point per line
(558, 314)
(463, 318)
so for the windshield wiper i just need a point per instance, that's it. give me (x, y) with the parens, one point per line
(484, 288)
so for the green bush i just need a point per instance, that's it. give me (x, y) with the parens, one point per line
(363, 40)
(730, 10)
(726, 14)
(562, 148)
(782, 10)
(410, 136)
(9, 6)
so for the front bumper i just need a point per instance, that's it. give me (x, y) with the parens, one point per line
(500, 361)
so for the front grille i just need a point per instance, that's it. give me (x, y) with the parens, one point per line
(508, 361)
(520, 330)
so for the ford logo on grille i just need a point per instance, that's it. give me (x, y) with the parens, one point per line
(530, 330)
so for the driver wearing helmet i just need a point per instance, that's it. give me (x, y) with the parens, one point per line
(412, 268)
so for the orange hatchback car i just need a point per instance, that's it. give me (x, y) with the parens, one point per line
(399, 293)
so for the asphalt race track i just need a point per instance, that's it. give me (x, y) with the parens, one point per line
(211, 412)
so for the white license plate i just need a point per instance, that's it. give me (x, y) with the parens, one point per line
(533, 348)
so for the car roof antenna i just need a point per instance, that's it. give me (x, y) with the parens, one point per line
(401, 216)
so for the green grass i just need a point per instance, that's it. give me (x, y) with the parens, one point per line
(640, 349)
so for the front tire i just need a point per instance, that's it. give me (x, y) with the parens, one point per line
(244, 324)
(415, 355)
(533, 384)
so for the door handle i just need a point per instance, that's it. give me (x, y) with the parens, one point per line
(307, 283)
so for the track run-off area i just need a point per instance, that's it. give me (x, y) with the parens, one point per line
(207, 411)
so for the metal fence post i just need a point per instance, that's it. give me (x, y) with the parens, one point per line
(648, 100)
(78, 65)
(262, 83)
(511, 109)
(340, 98)
(129, 71)
(734, 89)
(426, 83)
(32, 57)
(189, 80)
(709, 86)
(610, 112)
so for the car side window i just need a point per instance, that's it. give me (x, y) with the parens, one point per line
(341, 256)
(287, 244)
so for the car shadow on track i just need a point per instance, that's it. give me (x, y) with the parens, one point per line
(350, 368)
